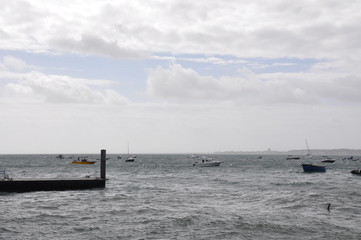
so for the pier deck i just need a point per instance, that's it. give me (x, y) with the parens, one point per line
(49, 184)
(55, 184)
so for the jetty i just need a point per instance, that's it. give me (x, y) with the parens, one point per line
(56, 184)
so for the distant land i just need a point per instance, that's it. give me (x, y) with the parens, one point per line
(301, 152)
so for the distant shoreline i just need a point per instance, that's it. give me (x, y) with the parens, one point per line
(321, 152)
(299, 152)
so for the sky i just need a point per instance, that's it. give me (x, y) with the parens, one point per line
(179, 76)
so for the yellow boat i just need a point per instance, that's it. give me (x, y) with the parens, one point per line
(83, 160)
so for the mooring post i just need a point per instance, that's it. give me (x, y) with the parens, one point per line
(103, 158)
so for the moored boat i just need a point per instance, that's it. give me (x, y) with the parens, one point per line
(356, 171)
(4, 176)
(290, 157)
(130, 158)
(208, 162)
(307, 167)
(328, 160)
(83, 160)
(352, 158)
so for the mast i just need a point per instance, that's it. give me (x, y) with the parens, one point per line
(309, 154)
(128, 149)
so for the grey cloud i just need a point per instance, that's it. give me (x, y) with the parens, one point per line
(90, 44)
(303, 29)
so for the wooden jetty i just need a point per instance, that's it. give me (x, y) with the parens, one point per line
(56, 184)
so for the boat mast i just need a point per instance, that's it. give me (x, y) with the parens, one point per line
(308, 149)
(128, 149)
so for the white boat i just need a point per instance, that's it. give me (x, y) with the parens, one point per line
(207, 162)
(130, 158)
(290, 157)
(328, 160)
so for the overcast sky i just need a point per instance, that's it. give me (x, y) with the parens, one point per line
(179, 76)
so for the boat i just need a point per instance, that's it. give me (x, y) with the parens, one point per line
(259, 156)
(207, 162)
(307, 167)
(83, 160)
(309, 154)
(4, 176)
(351, 158)
(328, 160)
(60, 156)
(130, 158)
(356, 171)
(290, 157)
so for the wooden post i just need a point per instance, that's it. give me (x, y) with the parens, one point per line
(103, 159)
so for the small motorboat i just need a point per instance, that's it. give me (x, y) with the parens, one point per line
(307, 167)
(328, 160)
(130, 159)
(207, 162)
(83, 160)
(290, 157)
(356, 171)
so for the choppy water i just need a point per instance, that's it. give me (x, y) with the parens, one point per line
(165, 197)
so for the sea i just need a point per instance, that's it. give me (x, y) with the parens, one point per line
(163, 196)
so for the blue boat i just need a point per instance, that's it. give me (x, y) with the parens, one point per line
(307, 167)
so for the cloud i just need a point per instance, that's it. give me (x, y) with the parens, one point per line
(131, 29)
(94, 45)
(212, 60)
(38, 86)
(15, 63)
(185, 85)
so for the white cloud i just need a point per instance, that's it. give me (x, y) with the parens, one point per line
(38, 86)
(15, 63)
(185, 85)
(282, 28)
(60, 89)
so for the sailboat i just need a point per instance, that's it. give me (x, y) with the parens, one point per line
(129, 158)
(309, 154)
